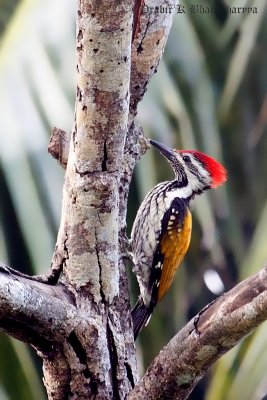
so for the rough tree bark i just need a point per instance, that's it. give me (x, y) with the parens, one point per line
(78, 317)
(215, 330)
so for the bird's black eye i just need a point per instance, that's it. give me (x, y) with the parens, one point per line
(186, 159)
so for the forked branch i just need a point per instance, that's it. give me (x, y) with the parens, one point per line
(43, 315)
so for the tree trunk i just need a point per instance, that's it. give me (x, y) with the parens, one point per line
(86, 338)
(112, 77)
(78, 317)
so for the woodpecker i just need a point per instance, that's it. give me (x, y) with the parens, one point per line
(161, 231)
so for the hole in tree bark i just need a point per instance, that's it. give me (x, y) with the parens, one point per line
(104, 162)
(114, 362)
(77, 347)
(129, 374)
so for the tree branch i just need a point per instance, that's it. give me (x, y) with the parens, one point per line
(34, 312)
(59, 146)
(215, 330)
(151, 30)
(82, 327)
(148, 47)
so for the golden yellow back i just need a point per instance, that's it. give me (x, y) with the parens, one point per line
(174, 245)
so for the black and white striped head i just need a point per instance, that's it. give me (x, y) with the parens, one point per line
(194, 171)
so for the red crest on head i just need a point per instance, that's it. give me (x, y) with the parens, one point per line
(216, 170)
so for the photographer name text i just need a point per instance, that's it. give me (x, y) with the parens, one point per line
(196, 9)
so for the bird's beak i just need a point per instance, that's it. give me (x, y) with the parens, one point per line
(165, 150)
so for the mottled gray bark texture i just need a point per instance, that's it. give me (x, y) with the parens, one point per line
(78, 317)
(104, 147)
(92, 354)
(215, 330)
(101, 362)
(47, 317)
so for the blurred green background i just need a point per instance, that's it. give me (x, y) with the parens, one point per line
(210, 94)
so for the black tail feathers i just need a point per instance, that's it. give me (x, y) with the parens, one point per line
(140, 316)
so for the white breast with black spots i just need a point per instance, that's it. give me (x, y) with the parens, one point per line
(147, 228)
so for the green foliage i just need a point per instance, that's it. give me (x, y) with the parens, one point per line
(8, 8)
(210, 94)
(19, 376)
